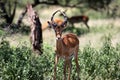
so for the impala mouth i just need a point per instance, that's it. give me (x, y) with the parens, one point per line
(58, 37)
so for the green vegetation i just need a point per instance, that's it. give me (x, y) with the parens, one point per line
(99, 55)
(19, 63)
(1, 32)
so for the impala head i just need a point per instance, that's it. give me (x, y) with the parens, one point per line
(58, 28)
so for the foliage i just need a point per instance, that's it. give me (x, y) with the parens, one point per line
(78, 31)
(1, 32)
(19, 63)
(8, 10)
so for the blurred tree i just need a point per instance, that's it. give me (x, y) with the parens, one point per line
(97, 5)
(8, 9)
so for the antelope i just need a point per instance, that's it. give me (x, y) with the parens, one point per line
(67, 46)
(78, 19)
(36, 31)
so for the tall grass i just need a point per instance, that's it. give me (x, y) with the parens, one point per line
(19, 63)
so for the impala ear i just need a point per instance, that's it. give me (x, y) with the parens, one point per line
(64, 24)
(49, 24)
(53, 25)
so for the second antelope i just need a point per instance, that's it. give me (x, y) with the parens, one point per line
(67, 46)
(78, 19)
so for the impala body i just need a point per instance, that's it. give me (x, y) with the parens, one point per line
(78, 19)
(67, 46)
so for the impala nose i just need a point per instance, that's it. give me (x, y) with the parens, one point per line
(58, 37)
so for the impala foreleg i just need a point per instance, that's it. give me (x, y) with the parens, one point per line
(67, 65)
(69, 68)
(55, 67)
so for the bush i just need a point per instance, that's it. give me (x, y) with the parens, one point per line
(101, 64)
(19, 63)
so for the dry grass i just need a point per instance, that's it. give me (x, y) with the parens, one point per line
(107, 26)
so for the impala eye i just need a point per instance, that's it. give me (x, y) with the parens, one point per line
(54, 25)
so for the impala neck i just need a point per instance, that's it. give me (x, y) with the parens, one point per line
(59, 45)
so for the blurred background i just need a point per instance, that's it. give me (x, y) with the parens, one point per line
(99, 54)
(103, 18)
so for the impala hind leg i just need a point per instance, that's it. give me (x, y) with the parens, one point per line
(55, 66)
(86, 23)
(76, 61)
(65, 67)
(69, 68)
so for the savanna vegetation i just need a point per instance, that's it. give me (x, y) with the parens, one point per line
(19, 63)
(99, 53)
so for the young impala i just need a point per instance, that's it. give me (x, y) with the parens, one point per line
(36, 31)
(67, 46)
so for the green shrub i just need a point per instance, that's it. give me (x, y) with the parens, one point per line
(20, 63)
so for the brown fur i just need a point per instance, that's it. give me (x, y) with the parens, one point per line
(66, 47)
(78, 19)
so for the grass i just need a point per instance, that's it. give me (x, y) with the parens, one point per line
(93, 37)
(99, 56)
(95, 64)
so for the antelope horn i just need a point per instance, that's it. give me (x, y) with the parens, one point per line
(54, 15)
(65, 18)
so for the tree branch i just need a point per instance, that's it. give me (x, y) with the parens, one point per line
(14, 10)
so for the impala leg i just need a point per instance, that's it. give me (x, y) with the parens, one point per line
(67, 64)
(69, 69)
(56, 61)
(87, 25)
(65, 67)
(77, 64)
